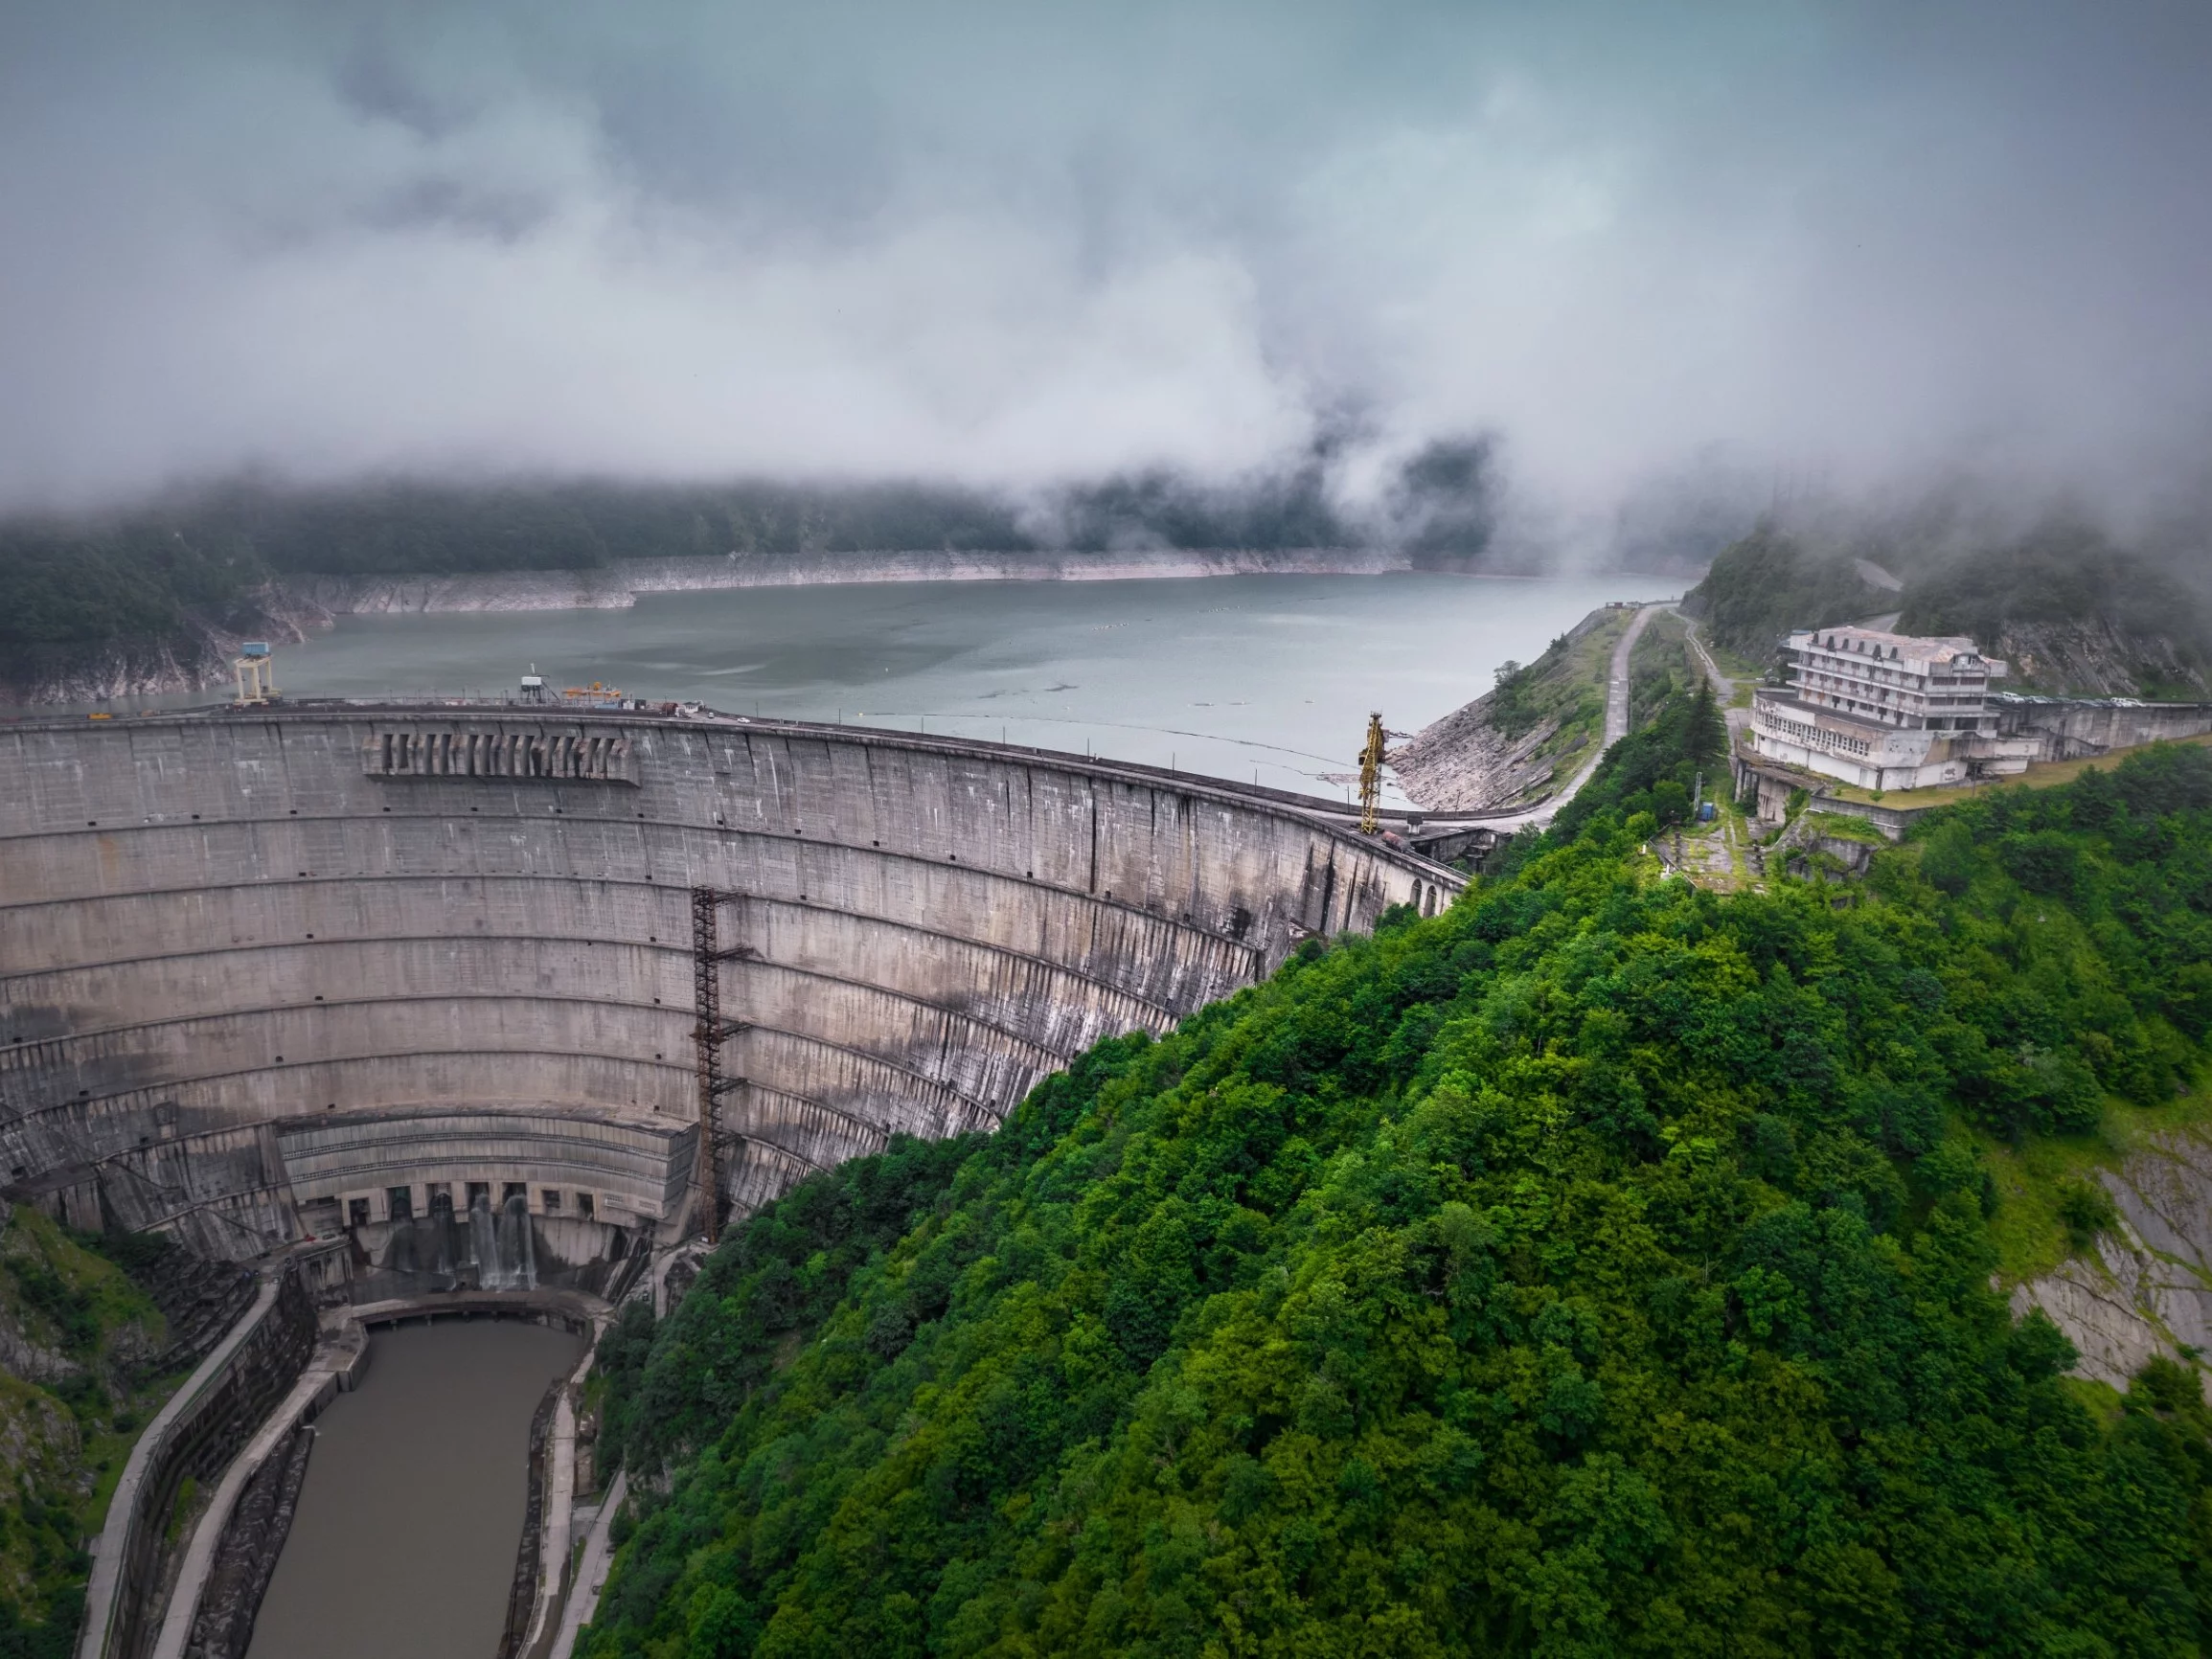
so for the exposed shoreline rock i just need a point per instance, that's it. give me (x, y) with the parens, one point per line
(618, 585)
(1464, 763)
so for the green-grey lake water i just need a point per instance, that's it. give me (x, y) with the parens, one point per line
(1266, 677)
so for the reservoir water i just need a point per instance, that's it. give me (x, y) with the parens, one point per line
(407, 1526)
(1266, 677)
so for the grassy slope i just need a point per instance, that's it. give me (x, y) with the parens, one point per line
(1661, 653)
(2039, 775)
(63, 1445)
(1567, 684)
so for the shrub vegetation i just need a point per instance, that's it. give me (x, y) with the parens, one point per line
(1600, 1267)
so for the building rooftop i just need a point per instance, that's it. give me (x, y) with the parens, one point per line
(1918, 652)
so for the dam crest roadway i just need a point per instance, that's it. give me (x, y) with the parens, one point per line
(420, 974)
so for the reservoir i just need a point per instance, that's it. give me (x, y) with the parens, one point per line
(405, 1538)
(1253, 677)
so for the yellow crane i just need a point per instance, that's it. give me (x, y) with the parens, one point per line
(1371, 758)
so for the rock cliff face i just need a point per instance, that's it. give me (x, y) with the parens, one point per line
(191, 662)
(2149, 1291)
(1463, 763)
(2097, 658)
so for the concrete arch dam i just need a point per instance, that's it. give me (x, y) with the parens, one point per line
(417, 971)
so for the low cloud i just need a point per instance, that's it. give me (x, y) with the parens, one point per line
(1646, 267)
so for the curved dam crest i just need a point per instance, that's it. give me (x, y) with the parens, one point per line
(371, 968)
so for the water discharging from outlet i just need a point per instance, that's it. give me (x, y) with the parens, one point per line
(407, 1528)
(505, 1254)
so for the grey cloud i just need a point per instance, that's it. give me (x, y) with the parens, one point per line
(1662, 258)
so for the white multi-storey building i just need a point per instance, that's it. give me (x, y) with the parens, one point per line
(1885, 711)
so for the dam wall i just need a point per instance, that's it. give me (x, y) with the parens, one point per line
(326, 969)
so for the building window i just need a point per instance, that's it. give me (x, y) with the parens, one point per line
(516, 1190)
(585, 1207)
(399, 1203)
(356, 1212)
(553, 1200)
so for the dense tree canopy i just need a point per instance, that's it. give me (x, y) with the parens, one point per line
(1771, 581)
(1600, 1267)
(157, 572)
(2060, 572)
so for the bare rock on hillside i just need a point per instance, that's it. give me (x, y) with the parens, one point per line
(2149, 1290)
(2094, 657)
(1463, 763)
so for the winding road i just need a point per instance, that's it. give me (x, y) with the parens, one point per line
(1616, 728)
(1724, 687)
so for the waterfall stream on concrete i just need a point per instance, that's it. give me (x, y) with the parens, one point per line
(505, 1252)
(406, 1533)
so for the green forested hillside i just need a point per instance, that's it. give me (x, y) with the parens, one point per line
(155, 574)
(1600, 1267)
(1761, 587)
(77, 1336)
(2072, 611)
(133, 589)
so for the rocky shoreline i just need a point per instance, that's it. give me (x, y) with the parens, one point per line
(1463, 763)
(618, 585)
(151, 668)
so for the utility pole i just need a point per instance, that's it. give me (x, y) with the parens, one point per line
(1371, 758)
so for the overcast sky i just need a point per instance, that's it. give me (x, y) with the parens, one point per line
(1023, 242)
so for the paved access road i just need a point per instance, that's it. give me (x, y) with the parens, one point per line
(1723, 688)
(1617, 713)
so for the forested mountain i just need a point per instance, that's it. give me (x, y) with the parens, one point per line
(1761, 587)
(2069, 610)
(1600, 1267)
(159, 588)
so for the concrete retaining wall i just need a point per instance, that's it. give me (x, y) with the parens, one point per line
(219, 922)
(195, 1437)
(2079, 728)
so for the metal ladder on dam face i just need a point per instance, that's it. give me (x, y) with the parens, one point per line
(709, 1031)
